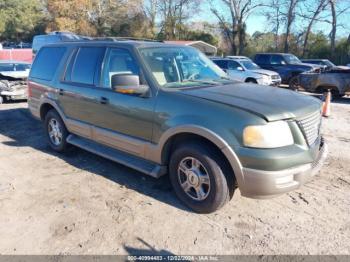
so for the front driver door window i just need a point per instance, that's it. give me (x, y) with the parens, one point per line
(234, 72)
(118, 61)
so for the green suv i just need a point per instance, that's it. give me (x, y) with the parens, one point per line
(167, 109)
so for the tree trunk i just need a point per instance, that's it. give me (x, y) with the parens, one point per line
(334, 27)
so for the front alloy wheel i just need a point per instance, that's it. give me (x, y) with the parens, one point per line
(194, 178)
(201, 179)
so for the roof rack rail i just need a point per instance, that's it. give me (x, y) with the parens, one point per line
(115, 39)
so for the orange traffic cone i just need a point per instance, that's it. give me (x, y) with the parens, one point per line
(326, 109)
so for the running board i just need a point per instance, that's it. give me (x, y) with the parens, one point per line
(115, 155)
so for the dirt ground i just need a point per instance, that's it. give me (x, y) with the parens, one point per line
(80, 203)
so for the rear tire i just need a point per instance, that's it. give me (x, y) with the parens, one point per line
(56, 131)
(294, 83)
(201, 180)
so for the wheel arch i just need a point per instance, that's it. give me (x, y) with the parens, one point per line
(180, 134)
(46, 106)
(250, 79)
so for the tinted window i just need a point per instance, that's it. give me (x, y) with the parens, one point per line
(221, 63)
(118, 61)
(262, 59)
(22, 67)
(276, 60)
(7, 67)
(233, 65)
(46, 62)
(85, 64)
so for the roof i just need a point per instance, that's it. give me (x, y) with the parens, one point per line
(316, 59)
(273, 53)
(136, 43)
(237, 57)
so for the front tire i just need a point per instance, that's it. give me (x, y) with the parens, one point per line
(56, 131)
(251, 81)
(198, 177)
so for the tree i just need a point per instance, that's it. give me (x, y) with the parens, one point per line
(173, 14)
(274, 17)
(151, 10)
(233, 25)
(290, 18)
(19, 19)
(71, 16)
(312, 15)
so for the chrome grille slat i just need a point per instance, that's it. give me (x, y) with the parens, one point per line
(310, 126)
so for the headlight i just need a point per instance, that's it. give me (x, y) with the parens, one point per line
(271, 135)
(264, 80)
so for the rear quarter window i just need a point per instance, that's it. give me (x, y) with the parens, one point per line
(46, 62)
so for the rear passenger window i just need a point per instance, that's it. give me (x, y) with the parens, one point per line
(276, 60)
(262, 59)
(83, 68)
(221, 63)
(46, 62)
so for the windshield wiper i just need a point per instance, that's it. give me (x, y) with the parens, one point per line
(212, 82)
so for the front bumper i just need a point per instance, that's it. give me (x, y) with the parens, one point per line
(15, 94)
(267, 184)
(269, 82)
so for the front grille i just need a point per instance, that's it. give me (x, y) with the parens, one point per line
(310, 126)
(274, 77)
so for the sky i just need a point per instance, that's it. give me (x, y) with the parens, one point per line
(257, 22)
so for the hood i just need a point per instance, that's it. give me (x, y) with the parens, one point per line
(270, 103)
(313, 66)
(343, 67)
(15, 74)
(264, 72)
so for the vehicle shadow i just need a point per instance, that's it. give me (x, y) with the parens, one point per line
(22, 130)
(148, 251)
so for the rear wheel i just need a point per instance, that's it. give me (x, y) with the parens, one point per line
(200, 178)
(294, 83)
(56, 131)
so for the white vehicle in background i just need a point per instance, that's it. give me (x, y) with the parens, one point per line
(248, 68)
(13, 80)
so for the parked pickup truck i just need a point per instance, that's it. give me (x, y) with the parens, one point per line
(287, 65)
(336, 80)
(167, 109)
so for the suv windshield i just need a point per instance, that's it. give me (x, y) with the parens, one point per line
(250, 65)
(292, 59)
(182, 67)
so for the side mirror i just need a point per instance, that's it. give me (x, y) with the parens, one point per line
(240, 68)
(128, 84)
